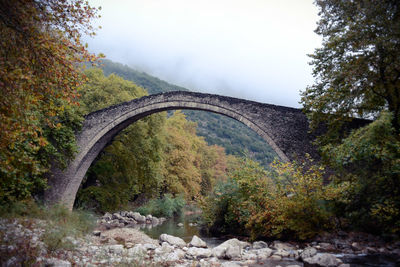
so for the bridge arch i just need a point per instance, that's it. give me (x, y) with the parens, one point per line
(285, 130)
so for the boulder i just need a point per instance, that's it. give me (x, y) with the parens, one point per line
(322, 260)
(137, 251)
(198, 253)
(197, 242)
(174, 256)
(220, 251)
(155, 220)
(308, 253)
(172, 240)
(117, 216)
(282, 253)
(235, 242)
(249, 255)
(233, 252)
(259, 244)
(327, 246)
(165, 248)
(282, 246)
(263, 253)
(139, 218)
(107, 216)
(164, 253)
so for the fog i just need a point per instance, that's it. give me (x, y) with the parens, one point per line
(254, 49)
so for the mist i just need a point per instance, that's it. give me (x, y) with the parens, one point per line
(253, 49)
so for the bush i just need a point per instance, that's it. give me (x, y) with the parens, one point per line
(167, 206)
(369, 159)
(287, 201)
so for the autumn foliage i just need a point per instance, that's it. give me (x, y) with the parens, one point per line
(40, 48)
(289, 201)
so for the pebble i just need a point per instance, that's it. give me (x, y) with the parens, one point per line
(95, 249)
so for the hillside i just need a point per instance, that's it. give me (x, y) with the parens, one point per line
(217, 129)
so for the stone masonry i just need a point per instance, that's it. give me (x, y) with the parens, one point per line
(285, 129)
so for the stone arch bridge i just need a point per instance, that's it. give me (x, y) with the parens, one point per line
(284, 128)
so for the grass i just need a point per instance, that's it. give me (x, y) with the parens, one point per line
(60, 222)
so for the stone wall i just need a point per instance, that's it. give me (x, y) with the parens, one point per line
(285, 129)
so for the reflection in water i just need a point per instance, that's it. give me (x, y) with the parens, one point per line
(186, 232)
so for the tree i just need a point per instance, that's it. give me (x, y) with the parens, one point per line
(369, 158)
(40, 49)
(131, 165)
(357, 70)
(358, 74)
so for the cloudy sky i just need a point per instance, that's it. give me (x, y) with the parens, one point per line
(252, 49)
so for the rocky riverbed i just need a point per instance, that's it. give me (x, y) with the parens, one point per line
(121, 245)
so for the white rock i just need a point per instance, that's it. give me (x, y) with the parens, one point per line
(275, 257)
(149, 246)
(176, 255)
(235, 242)
(282, 246)
(172, 240)
(197, 242)
(322, 259)
(137, 251)
(219, 252)
(259, 244)
(116, 249)
(117, 216)
(282, 253)
(230, 264)
(263, 253)
(165, 248)
(139, 218)
(198, 253)
(249, 255)
(57, 262)
(233, 252)
(308, 253)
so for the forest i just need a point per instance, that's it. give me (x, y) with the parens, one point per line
(201, 158)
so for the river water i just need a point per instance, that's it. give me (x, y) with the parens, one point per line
(187, 231)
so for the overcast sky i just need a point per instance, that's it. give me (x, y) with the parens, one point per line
(252, 49)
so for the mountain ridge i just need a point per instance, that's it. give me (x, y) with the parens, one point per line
(235, 137)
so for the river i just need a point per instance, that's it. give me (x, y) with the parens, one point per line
(188, 229)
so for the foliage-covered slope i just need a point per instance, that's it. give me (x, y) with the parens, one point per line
(217, 129)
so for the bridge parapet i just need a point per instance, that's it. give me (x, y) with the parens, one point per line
(284, 128)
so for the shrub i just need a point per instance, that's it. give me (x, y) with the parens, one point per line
(289, 200)
(369, 159)
(167, 206)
